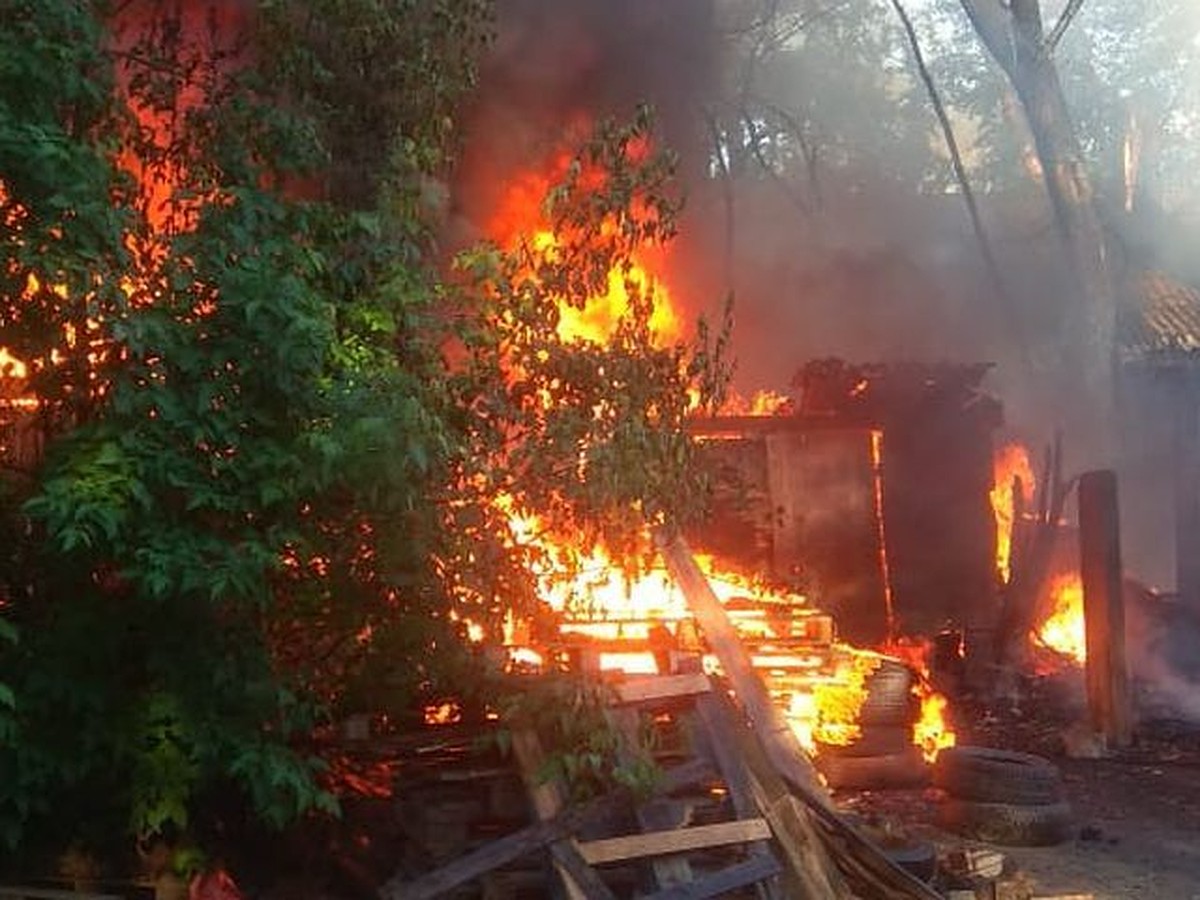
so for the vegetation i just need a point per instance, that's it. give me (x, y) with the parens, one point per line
(277, 445)
(274, 439)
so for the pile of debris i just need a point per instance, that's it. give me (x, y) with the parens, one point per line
(741, 806)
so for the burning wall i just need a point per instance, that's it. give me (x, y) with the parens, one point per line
(873, 494)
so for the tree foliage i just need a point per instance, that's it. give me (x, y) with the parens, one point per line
(237, 397)
(274, 438)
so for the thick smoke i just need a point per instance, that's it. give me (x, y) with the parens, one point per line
(868, 265)
(558, 65)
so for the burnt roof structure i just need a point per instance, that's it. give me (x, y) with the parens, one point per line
(1161, 324)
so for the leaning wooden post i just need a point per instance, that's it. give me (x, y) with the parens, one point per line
(1104, 608)
(777, 736)
(812, 863)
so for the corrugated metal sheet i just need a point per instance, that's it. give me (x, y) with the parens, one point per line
(1162, 321)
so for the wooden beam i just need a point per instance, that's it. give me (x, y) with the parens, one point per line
(655, 814)
(777, 737)
(810, 864)
(533, 837)
(723, 730)
(810, 836)
(739, 875)
(584, 879)
(662, 687)
(1104, 608)
(675, 840)
(547, 801)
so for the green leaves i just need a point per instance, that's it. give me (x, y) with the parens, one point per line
(589, 434)
(93, 496)
(250, 446)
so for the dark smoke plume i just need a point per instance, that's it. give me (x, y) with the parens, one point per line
(562, 64)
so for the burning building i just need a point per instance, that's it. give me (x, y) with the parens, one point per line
(871, 492)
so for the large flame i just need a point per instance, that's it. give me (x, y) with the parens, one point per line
(761, 403)
(1064, 630)
(631, 622)
(1011, 464)
(522, 217)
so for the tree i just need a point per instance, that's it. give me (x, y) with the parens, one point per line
(1016, 38)
(238, 396)
(278, 442)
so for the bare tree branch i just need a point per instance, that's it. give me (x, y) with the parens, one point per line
(1063, 23)
(790, 190)
(808, 149)
(964, 183)
(721, 152)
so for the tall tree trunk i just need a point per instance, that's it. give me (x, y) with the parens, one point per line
(1014, 35)
(1012, 314)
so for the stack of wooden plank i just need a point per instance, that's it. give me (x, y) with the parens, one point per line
(777, 834)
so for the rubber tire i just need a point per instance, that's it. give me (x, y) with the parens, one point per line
(988, 775)
(890, 699)
(918, 859)
(1008, 824)
(879, 712)
(906, 769)
(875, 740)
(890, 680)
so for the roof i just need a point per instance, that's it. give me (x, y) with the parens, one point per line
(1161, 326)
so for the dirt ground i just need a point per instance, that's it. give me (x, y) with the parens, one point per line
(1137, 812)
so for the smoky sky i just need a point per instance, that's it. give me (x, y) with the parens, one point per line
(557, 63)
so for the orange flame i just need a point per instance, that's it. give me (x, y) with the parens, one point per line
(837, 703)
(11, 367)
(522, 216)
(932, 731)
(1011, 462)
(762, 403)
(1064, 630)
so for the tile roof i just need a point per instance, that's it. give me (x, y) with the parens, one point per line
(1162, 323)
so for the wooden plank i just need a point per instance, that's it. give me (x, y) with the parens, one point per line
(717, 716)
(677, 840)
(654, 815)
(810, 864)
(757, 868)
(662, 687)
(533, 837)
(807, 834)
(24, 893)
(1104, 608)
(568, 859)
(776, 735)
(547, 801)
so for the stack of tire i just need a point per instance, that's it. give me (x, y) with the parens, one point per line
(1002, 797)
(883, 756)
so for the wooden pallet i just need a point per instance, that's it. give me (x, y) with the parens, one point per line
(16, 892)
(665, 843)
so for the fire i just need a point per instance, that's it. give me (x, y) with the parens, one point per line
(522, 217)
(762, 403)
(11, 367)
(837, 703)
(628, 617)
(1064, 629)
(1011, 463)
(932, 731)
